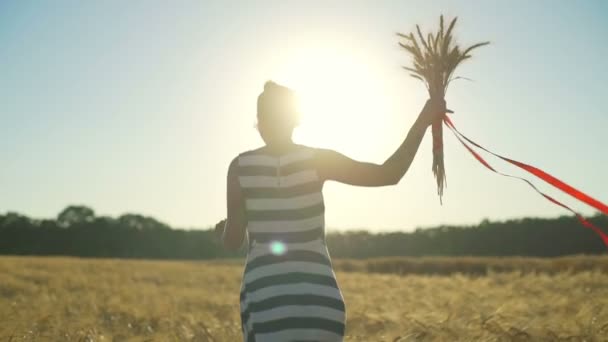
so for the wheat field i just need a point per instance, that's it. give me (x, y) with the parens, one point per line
(70, 299)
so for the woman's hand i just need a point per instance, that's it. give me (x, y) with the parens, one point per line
(433, 111)
(219, 229)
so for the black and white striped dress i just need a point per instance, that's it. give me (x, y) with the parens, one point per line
(289, 290)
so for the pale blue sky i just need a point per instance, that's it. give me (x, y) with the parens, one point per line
(134, 106)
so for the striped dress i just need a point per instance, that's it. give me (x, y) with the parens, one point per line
(289, 290)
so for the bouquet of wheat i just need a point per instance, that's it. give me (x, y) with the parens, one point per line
(434, 61)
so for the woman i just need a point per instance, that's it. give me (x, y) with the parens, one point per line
(289, 290)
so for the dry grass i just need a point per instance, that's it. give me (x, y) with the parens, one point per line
(65, 299)
(475, 266)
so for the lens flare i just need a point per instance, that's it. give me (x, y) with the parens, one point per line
(278, 248)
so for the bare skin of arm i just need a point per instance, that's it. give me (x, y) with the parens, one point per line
(234, 226)
(332, 165)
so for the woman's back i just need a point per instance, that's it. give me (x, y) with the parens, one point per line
(289, 290)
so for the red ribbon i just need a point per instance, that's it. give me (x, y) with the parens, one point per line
(540, 174)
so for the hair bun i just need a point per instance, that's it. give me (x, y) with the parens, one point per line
(269, 85)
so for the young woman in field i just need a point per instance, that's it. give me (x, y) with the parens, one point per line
(289, 290)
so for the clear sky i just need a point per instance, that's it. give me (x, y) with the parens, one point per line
(139, 106)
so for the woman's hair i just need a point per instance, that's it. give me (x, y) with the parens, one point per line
(278, 104)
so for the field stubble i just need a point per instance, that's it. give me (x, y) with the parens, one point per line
(69, 299)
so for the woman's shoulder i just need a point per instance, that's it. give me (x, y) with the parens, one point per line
(261, 152)
(308, 149)
(247, 156)
(305, 147)
(251, 152)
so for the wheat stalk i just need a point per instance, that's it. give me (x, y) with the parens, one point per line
(434, 60)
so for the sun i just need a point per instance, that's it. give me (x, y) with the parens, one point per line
(341, 98)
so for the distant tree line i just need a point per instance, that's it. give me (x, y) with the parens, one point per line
(522, 237)
(78, 232)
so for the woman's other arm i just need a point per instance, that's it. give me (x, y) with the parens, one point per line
(234, 227)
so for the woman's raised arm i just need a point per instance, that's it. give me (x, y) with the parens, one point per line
(332, 165)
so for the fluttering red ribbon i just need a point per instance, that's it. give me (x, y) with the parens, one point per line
(540, 174)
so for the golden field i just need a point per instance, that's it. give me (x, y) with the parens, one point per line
(70, 299)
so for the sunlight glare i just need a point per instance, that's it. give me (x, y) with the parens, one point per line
(278, 248)
(342, 103)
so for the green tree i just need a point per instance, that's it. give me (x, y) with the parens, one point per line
(75, 214)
